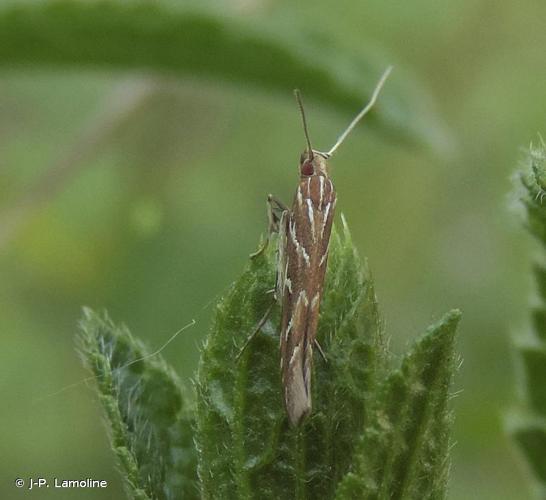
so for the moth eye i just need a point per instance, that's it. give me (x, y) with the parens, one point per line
(307, 168)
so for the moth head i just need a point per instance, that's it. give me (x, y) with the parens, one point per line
(313, 163)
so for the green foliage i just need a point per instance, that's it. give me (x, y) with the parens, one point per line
(243, 434)
(404, 451)
(374, 433)
(528, 424)
(148, 413)
(200, 43)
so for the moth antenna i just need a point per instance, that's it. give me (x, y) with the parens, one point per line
(303, 119)
(365, 110)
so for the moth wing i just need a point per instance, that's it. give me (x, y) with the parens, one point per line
(282, 259)
(297, 373)
(306, 237)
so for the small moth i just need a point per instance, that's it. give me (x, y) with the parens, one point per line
(302, 255)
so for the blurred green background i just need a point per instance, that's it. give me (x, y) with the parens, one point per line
(144, 195)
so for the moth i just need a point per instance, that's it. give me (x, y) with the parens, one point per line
(302, 255)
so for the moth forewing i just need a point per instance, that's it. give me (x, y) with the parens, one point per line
(305, 255)
(282, 285)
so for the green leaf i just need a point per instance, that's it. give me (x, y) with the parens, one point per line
(369, 434)
(534, 364)
(533, 195)
(530, 434)
(528, 426)
(374, 433)
(246, 447)
(201, 43)
(148, 413)
(404, 451)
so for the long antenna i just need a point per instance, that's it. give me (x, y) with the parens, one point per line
(366, 108)
(305, 130)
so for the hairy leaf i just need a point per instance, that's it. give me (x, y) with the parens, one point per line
(147, 411)
(371, 434)
(374, 433)
(403, 453)
(528, 426)
(246, 446)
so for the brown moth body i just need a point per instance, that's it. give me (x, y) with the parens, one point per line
(302, 260)
(302, 255)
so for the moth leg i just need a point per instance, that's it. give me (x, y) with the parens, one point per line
(256, 330)
(320, 350)
(275, 209)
